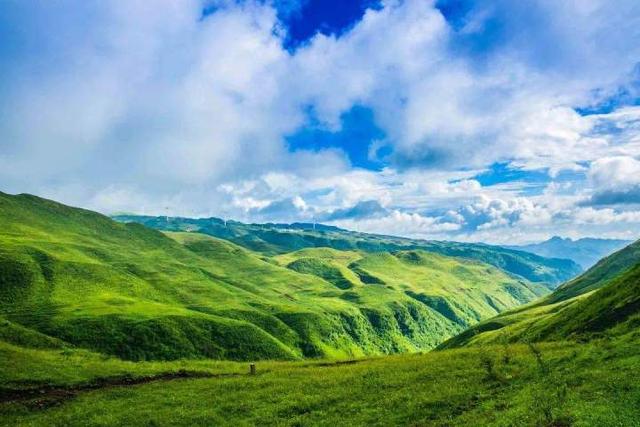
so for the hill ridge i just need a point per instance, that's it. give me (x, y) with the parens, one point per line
(270, 240)
(604, 299)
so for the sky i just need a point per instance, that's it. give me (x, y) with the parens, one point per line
(473, 120)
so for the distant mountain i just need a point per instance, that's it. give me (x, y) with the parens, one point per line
(605, 299)
(585, 252)
(274, 239)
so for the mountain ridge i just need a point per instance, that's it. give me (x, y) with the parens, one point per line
(604, 299)
(275, 239)
(586, 251)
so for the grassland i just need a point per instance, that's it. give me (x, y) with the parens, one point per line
(105, 323)
(463, 291)
(549, 384)
(125, 290)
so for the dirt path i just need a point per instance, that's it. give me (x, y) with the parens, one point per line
(46, 396)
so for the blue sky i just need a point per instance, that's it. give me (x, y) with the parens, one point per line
(304, 19)
(495, 120)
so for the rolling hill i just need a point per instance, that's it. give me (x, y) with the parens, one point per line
(276, 239)
(603, 300)
(585, 252)
(72, 277)
(464, 291)
(99, 317)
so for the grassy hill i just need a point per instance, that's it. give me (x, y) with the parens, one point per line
(275, 239)
(598, 276)
(464, 291)
(604, 300)
(81, 279)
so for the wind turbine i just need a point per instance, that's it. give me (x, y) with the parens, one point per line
(224, 214)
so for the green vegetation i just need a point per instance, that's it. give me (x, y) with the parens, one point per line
(275, 239)
(543, 385)
(75, 278)
(99, 317)
(605, 300)
(463, 291)
(599, 275)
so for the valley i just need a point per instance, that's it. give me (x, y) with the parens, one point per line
(129, 291)
(99, 316)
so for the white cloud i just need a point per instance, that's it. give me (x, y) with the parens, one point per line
(615, 172)
(402, 224)
(141, 107)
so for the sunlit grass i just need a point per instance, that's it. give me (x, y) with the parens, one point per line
(582, 384)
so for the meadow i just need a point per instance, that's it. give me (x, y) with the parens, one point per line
(551, 384)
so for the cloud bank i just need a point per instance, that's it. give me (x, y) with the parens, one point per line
(189, 107)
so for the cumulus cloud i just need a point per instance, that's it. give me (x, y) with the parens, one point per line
(615, 180)
(440, 107)
(629, 196)
(158, 107)
(615, 172)
(284, 210)
(362, 210)
(402, 224)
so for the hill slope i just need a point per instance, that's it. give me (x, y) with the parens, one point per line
(464, 291)
(605, 299)
(275, 239)
(74, 277)
(585, 252)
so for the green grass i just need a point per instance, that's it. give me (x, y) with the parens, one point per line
(461, 290)
(25, 368)
(139, 294)
(551, 384)
(598, 275)
(88, 302)
(605, 300)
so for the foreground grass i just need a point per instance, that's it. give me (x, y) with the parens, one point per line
(546, 384)
(24, 368)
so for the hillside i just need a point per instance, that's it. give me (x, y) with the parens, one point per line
(464, 291)
(604, 300)
(75, 277)
(584, 252)
(275, 239)
(598, 276)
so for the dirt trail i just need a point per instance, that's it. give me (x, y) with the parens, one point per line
(46, 396)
